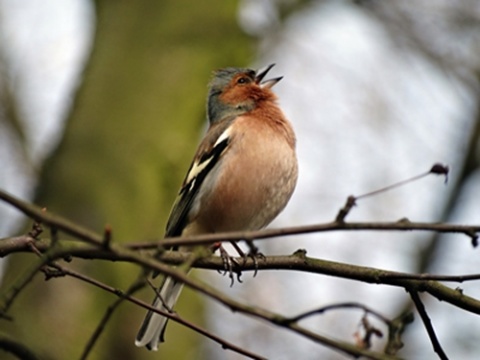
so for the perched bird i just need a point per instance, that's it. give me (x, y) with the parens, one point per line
(241, 178)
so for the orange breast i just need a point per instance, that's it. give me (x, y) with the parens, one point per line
(255, 178)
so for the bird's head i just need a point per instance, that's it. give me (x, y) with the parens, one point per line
(235, 91)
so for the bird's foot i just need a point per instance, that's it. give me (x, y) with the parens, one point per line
(253, 253)
(229, 264)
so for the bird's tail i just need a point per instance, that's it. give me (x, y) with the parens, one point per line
(153, 327)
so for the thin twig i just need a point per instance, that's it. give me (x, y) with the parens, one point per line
(427, 323)
(120, 252)
(173, 316)
(107, 236)
(89, 236)
(12, 291)
(345, 210)
(346, 305)
(62, 271)
(107, 316)
(9, 245)
(402, 225)
(52, 220)
(437, 169)
(229, 302)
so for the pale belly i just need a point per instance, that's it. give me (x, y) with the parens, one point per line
(251, 190)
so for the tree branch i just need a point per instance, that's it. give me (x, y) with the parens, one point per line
(89, 236)
(236, 306)
(95, 246)
(428, 324)
(298, 261)
(204, 288)
(52, 220)
(401, 225)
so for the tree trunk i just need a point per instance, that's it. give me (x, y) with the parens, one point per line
(130, 136)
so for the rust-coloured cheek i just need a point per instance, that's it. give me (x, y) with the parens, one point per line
(235, 94)
(238, 94)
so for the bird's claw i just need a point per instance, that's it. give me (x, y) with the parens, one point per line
(229, 264)
(232, 266)
(254, 254)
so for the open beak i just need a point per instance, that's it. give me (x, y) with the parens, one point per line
(267, 83)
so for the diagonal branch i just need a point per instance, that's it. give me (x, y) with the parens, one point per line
(234, 305)
(204, 288)
(93, 245)
(128, 296)
(428, 324)
(52, 220)
(108, 313)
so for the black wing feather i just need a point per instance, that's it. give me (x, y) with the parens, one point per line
(179, 214)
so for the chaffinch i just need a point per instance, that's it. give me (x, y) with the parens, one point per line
(242, 176)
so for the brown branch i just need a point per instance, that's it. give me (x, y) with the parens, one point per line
(52, 220)
(298, 261)
(395, 326)
(10, 293)
(395, 331)
(101, 246)
(402, 225)
(89, 236)
(428, 324)
(86, 251)
(347, 305)
(286, 262)
(63, 271)
(180, 276)
(437, 169)
(283, 262)
(108, 314)
(276, 319)
(237, 306)
(345, 210)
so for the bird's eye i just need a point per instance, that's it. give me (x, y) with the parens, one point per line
(242, 80)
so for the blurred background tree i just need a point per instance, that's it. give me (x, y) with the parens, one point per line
(377, 91)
